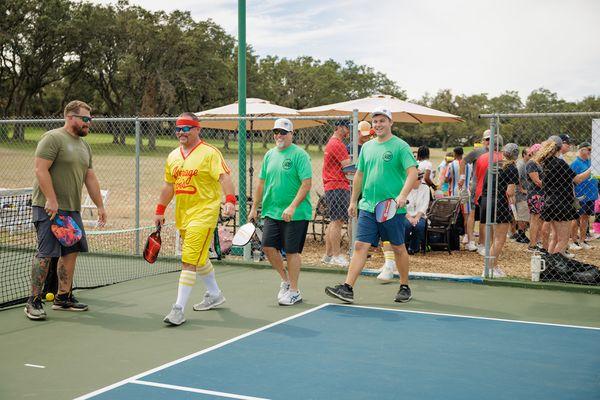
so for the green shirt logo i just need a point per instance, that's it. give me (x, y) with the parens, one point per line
(387, 156)
(287, 164)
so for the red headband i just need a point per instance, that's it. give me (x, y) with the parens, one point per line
(187, 122)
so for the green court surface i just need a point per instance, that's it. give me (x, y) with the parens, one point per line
(71, 354)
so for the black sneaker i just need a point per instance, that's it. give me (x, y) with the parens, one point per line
(68, 302)
(34, 308)
(343, 292)
(522, 238)
(403, 294)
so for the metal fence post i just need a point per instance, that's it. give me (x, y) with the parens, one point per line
(490, 181)
(355, 162)
(137, 184)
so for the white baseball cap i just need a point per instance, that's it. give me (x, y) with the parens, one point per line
(284, 124)
(382, 111)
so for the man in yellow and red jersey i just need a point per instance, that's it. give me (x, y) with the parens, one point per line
(195, 173)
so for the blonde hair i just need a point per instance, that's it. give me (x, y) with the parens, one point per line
(549, 148)
(75, 105)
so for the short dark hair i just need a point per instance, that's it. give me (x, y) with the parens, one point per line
(342, 122)
(458, 151)
(423, 152)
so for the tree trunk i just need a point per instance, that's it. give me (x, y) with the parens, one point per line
(19, 133)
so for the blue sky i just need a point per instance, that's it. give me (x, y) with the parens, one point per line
(468, 46)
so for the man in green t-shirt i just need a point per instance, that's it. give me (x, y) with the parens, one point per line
(386, 169)
(63, 164)
(284, 182)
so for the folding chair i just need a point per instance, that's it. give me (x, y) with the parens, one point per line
(441, 219)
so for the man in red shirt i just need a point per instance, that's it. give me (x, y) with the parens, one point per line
(337, 192)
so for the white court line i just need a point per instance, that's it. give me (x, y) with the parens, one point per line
(180, 360)
(194, 390)
(515, 321)
(35, 366)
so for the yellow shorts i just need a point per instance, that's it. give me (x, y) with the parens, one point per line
(196, 242)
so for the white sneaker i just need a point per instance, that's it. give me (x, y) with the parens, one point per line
(567, 254)
(210, 302)
(340, 261)
(175, 317)
(284, 287)
(326, 259)
(471, 246)
(575, 246)
(586, 246)
(498, 273)
(465, 239)
(481, 250)
(387, 274)
(290, 298)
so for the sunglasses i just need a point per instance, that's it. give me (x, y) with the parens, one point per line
(280, 132)
(184, 129)
(84, 118)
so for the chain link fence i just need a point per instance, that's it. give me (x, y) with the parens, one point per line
(129, 155)
(542, 172)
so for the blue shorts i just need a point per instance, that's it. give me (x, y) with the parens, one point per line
(370, 231)
(587, 208)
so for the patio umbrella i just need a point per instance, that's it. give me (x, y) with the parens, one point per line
(254, 108)
(402, 111)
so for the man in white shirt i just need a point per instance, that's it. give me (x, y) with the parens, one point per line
(416, 209)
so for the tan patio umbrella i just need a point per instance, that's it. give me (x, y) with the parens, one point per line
(254, 108)
(402, 111)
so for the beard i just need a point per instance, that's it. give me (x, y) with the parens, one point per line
(81, 132)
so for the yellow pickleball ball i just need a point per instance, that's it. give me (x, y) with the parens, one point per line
(49, 296)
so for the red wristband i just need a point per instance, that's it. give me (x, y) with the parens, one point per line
(230, 198)
(160, 209)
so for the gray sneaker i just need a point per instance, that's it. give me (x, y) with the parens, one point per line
(210, 302)
(34, 308)
(175, 317)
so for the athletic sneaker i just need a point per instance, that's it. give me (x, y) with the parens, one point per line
(387, 274)
(498, 273)
(340, 261)
(34, 308)
(68, 302)
(567, 254)
(465, 239)
(175, 317)
(210, 302)
(575, 246)
(586, 245)
(471, 246)
(481, 250)
(290, 298)
(343, 292)
(283, 289)
(522, 238)
(326, 259)
(403, 295)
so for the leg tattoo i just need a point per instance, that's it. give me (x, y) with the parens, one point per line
(39, 271)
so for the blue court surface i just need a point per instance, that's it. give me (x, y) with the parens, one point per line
(351, 352)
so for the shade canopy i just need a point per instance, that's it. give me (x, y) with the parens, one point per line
(254, 108)
(402, 111)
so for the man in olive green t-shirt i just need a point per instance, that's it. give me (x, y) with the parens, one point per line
(386, 170)
(63, 164)
(284, 182)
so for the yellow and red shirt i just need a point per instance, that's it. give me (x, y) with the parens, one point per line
(195, 180)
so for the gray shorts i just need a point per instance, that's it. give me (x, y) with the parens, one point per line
(48, 245)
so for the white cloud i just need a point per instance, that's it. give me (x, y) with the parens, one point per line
(465, 45)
